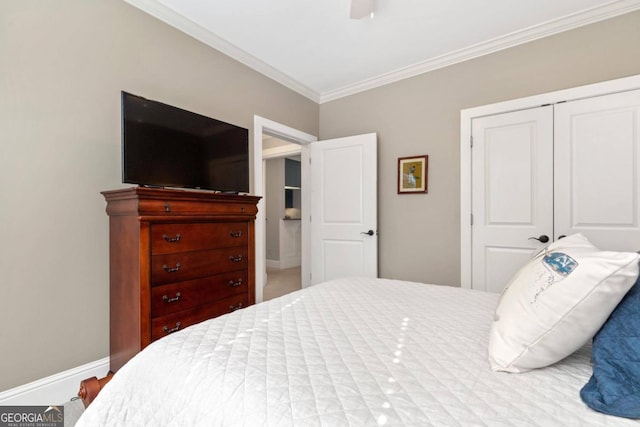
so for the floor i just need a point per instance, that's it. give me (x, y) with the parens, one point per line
(281, 282)
(72, 411)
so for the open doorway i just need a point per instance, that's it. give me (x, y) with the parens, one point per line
(297, 145)
(283, 216)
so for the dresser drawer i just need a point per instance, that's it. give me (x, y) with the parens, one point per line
(238, 206)
(171, 268)
(184, 237)
(166, 299)
(165, 325)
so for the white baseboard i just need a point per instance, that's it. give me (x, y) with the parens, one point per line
(273, 263)
(288, 262)
(55, 389)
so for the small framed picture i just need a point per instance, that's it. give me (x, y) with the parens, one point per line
(412, 174)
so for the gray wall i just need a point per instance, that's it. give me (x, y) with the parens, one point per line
(420, 234)
(274, 206)
(63, 64)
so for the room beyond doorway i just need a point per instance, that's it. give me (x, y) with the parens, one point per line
(281, 282)
(283, 214)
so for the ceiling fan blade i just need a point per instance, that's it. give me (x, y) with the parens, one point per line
(361, 8)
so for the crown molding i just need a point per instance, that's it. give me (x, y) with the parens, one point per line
(198, 32)
(599, 13)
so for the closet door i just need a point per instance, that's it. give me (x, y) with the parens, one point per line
(597, 170)
(512, 192)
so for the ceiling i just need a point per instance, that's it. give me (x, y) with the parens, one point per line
(316, 49)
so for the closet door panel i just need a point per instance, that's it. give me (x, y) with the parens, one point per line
(597, 170)
(512, 185)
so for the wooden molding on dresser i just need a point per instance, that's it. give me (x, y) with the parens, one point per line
(177, 257)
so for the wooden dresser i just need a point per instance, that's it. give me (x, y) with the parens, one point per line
(176, 258)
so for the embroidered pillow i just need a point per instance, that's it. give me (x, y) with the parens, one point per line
(557, 302)
(614, 387)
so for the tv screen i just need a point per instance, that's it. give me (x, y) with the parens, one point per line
(165, 146)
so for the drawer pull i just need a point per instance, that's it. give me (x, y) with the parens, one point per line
(166, 299)
(235, 307)
(235, 233)
(167, 208)
(172, 239)
(235, 258)
(172, 330)
(236, 283)
(168, 269)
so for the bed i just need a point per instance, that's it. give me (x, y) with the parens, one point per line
(349, 352)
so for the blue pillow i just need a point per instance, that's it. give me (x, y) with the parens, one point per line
(614, 387)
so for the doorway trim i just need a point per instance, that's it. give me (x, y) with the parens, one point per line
(265, 126)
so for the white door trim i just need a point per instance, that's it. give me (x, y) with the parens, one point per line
(466, 117)
(265, 126)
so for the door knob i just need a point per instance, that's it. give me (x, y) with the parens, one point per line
(369, 233)
(542, 239)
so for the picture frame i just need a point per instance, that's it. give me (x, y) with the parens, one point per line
(413, 173)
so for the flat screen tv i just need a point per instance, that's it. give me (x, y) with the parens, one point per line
(165, 146)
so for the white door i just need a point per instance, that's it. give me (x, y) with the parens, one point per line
(512, 188)
(344, 239)
(597, 170)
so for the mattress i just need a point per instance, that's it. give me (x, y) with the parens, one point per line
(350, 352)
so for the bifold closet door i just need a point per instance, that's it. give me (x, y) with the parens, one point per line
(597, 170)
(512, 193)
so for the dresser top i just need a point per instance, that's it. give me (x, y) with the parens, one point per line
(179, 194)
(170, 202)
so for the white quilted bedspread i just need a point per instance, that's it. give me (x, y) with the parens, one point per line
(351, 352)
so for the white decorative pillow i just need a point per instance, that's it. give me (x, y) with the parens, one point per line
(557, 302)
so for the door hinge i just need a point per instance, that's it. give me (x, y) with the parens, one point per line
(471, 219)
(471, 141)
